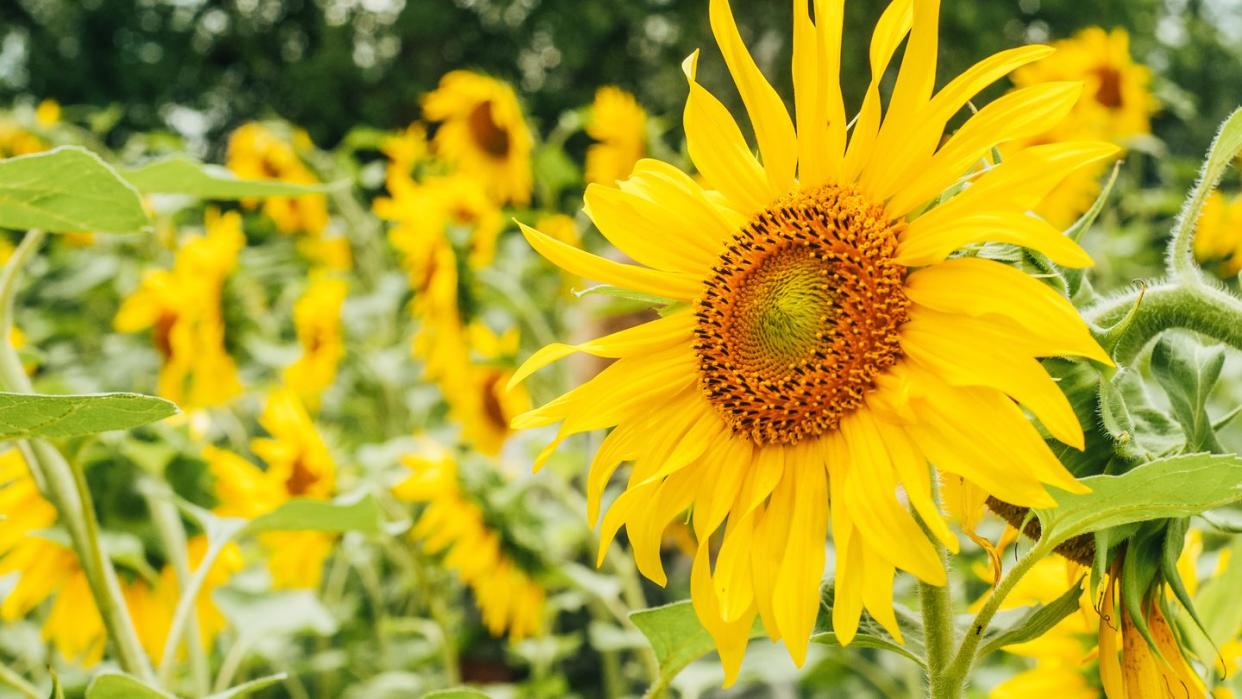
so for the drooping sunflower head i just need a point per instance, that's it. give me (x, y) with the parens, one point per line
(831, 330)
(257, 152)
(482, 132)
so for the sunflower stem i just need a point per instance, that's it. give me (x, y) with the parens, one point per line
(953, 680)
(1150, 310)
(65, 486)
(937, 608)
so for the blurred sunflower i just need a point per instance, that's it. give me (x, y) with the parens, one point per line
(16, 140)
(47, 569)
(256, 152)
(482, 133)
(1116, 106)
(1219, 235)
(476, 392)
(47, 114)
(822, 342)
(317, 317)
(181, 307)
(619, 125)
(299, 465)
(509, 599)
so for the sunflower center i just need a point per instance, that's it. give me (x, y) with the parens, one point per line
(800, 314)
(1108, 93)
(491, 137)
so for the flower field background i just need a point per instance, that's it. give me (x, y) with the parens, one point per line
(489, 348)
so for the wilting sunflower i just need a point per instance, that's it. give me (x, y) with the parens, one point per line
(1219, 236)
(317, 316)
(482, 133)
(825, 343)
(299, 465)
(181, 307)
(619, 125)
(1117, 105)
(510, 600)
(256, 152)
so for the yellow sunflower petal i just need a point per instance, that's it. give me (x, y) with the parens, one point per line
(893, 26)
(719, 150)
(734, 583)
(915, 475)
(773, 129)
(731, 637)
(802, 499)
(575, 261)
(926, 245)
(644, 232)
(819, 107)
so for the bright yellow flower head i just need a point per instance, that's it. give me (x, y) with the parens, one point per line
(181, 307)
(317, 316)
(1219, 235)
(824, 343)
(482, 133)
(510, 601)
(476, 391)
(257, 153)
(1116, 106)
(299, 465)
(441, 205)
(16, 140)
(619, 125)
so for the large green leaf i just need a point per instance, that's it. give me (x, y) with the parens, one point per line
(115, 685)
(1176, 486)
(1187, 371)
(25, 415)
(179, 174)
(676, 636)
(1035, 622)
(67, 189)
(363, 516)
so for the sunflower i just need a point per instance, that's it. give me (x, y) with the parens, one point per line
(181, 307)
(822, 341)
(47, 114)
(1219, 235)
(482, 133)
(317, 316)
(256, 152)
(476, 391)
(510, 600)
(1117, 106)
(619, 125)
(299, 465)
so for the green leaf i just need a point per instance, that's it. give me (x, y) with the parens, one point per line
(1187, 371)
(870, 633)
(58, 692)
(868, 639)
(456, 693)
(305, 514)
(624, 294)
(1140, 432)
(1036, 622)
(25, 415)
(1175, 486)
(676, 636)
(114, 685)
(179, 174)
(250, 687)
(67, 189)
(1080, 381)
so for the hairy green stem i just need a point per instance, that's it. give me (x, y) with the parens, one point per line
(937, 608)
(1133, 319)
(953, 679)
(65, 486)
(1181, 257)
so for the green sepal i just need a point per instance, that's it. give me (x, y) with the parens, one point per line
(1138, 578)
(1174, 542)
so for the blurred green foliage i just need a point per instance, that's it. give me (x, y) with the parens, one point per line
(203, 66)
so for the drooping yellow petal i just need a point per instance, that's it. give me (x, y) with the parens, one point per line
(915, 476)
(648, 281)
(802, 498)
(773, 129)
(719, 150)
(771, 535)
(735, 586)
(646, 530)
(929, 244)
(1110, 664)
(730, 460)
(731, 637)
(877, 590)
(645, 232)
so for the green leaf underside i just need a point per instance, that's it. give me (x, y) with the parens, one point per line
(1035, 622)
(676, 635)
(65, 190)
(179, 174)
(114, 685)
(25, 415)
(250, 687)
(1175, 486)
(320, 515)
(1187, 371)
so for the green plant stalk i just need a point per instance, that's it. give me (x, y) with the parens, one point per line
(9, 677)
(936, 606)
(172, 535)
(185, 608)
(1201, 307)
(1180, 258)
(953, 679)
(66, 486)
